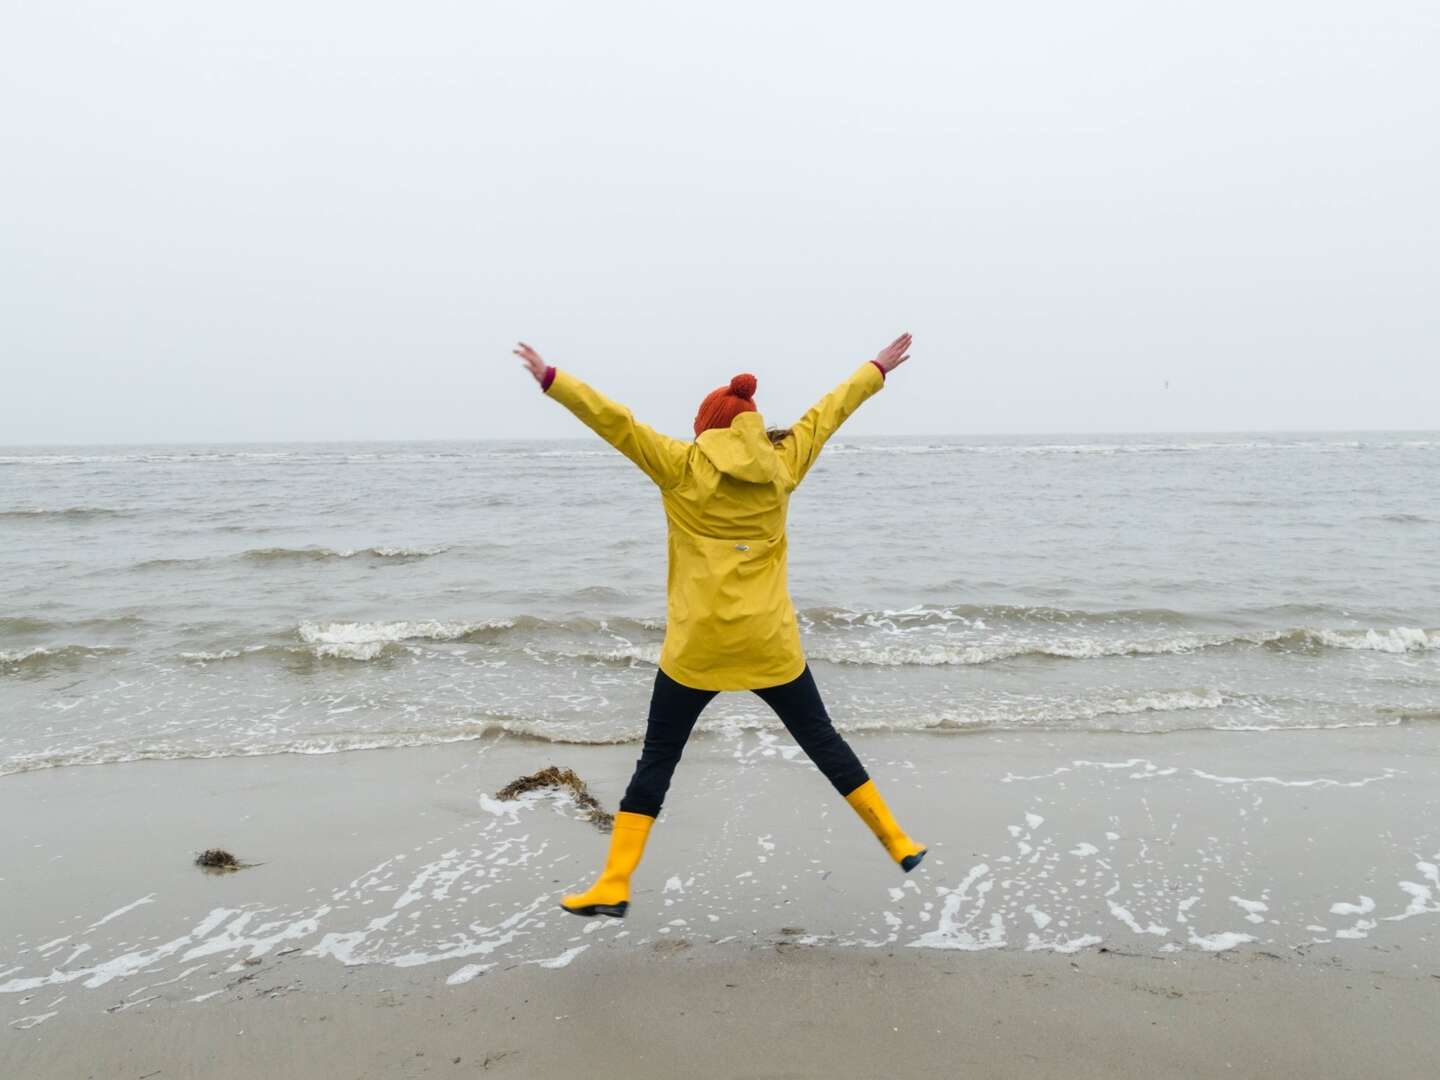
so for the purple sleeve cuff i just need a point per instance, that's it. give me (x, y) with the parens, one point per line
(549, 378)
(877, 364)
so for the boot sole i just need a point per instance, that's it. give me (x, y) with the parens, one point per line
(615, 911)
(911, 861)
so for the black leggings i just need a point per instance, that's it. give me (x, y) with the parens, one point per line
(674, 708)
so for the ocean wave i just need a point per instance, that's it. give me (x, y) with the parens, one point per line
(280, 555)
(1110, 449)
(942, 654)
(370, 640)
(1212, 710)
(322, 554)
(624, 654)
(44, 658)
(838, 636)
(339, 743)
(67, 513)
(877, 639)
(1405, 715)
(203, 656)
(20, 625)
(1399, 639)
(981, 616)
(1403, 519)
(174, 456)
(1059, 715)
(1139, 448)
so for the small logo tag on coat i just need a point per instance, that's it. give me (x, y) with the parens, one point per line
(742, 547)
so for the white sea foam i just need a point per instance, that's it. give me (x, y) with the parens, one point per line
(885, 650)
(1071, 945)
(959, 915)
(1123, 914)
(367, 640)
(124, 965)
(1319, 781)
(1254, 909)
(149, 899)
(1400, 639)
(466, 973)
(1220, 942)
(1423, 898)
(1364, 907)
(564, 959)
(943, 653)
(362, 633)
(1144, 769)
(25, 1023)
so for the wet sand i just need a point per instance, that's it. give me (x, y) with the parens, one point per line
(784, 1011)
(1123, 905)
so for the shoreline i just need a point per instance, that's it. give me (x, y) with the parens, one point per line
(1250, 869)
(778, 1010)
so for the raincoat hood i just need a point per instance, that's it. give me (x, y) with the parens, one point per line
(741, 451)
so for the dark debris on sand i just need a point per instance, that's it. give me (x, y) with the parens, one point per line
(219, 861)
(553, 777)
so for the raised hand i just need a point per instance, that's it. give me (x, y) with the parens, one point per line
(533, 363)
(894, 354)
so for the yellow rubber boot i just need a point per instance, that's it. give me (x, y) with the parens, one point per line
(610, 895)
(872, 810)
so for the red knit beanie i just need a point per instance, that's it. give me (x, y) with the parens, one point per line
(725, 403)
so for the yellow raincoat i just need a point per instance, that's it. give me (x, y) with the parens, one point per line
(730, 623)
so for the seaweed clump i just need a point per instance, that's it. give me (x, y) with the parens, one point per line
(219, 861)
(553, 777)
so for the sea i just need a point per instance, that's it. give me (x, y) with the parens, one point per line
(203, 601)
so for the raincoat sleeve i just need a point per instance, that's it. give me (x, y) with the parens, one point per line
(802, 446)
(660, 457)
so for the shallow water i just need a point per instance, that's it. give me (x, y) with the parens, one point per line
(213, 601)
(1316, 847)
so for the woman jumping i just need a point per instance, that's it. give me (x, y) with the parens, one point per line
(730, 623)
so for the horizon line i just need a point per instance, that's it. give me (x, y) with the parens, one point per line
(880, 435)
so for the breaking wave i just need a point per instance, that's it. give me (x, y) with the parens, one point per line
(1399, 639)
(940, 653)
(280, 555)
(981, 615)
(369, 640)
(852, 638)
(320, 554)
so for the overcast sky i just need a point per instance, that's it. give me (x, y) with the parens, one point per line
(331, 220)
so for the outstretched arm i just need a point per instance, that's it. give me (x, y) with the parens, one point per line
(660, 457)
(802, 446)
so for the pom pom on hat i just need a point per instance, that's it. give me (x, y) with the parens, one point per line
(743, 386)
(724, 403)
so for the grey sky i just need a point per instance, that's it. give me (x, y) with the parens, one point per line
(316, 220)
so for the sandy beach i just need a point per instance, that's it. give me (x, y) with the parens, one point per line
(778, 1010)
(1008, 429)
(1092, 905)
